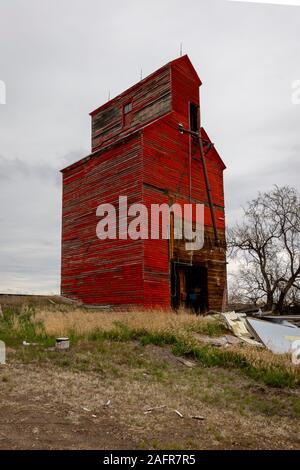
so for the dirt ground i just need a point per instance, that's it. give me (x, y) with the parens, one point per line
(99, 396)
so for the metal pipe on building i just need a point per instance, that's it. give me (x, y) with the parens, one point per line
(207, 184)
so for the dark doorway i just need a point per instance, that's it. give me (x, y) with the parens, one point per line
(189, 287)
(194, 110)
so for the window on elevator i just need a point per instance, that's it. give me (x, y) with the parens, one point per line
(127, 108)
(127, 114)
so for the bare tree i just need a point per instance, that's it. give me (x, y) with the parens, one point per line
(266, 247)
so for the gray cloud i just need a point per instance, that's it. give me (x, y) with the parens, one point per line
(11, 169)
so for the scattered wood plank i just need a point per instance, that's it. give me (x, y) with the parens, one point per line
(149, 410)
(178, 413)
(186, 362)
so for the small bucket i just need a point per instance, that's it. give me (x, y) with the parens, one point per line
(62, 344)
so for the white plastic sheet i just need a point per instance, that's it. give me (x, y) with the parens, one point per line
(278, 338)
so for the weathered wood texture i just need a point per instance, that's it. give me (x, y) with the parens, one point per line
(143, 156)
(210, 257)
(150, 99)
(107, 271)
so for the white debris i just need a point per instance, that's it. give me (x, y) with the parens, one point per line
(238, 325)
(179, 414)
(149, 410)
(199, 418)
(278, 338)
(29, 344)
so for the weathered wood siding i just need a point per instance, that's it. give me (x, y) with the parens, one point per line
(210, 257)
(167, 179)
(156, 258)
(148, 160)
(173, 173)
(151, 99)
(101, 271)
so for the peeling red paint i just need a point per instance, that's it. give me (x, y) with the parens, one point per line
(141, 155)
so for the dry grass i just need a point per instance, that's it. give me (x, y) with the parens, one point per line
(263, 358)
(178, 330)
(82, 322)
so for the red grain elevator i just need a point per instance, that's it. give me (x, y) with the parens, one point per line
(139, 152)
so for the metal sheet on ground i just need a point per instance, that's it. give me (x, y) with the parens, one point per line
(237, 323)
(278, 338)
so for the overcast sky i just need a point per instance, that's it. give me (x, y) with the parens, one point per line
(59, 59)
